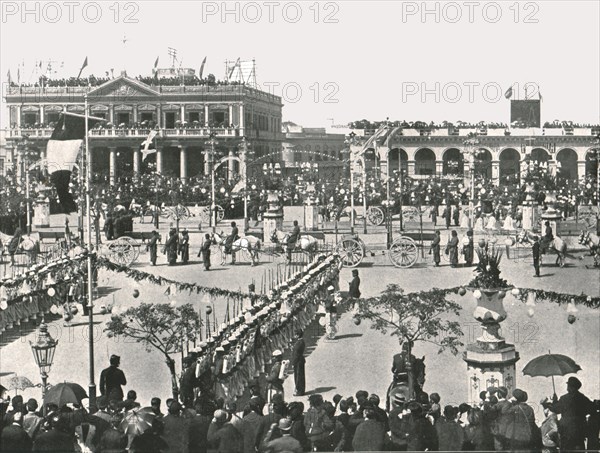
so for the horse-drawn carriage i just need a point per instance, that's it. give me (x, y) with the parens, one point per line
(403, 252)
(592, 241)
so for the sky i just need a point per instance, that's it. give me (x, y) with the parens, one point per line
(338, 61)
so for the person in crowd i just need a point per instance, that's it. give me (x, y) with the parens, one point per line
(478, 433)
(223, 435)
(295, 412)
(497, 414)
(292, 239)
(276, 411)
(435, 410)
(13, 245)
(549, 428)
(593, 427)
(284, 444)
(249, 427)
(469, 248)
(13, 437)
(58, 438)
(17, 407)
(129, 402)
(152, 246)
(573, 408)
(536, 255)
(85, 434)
(184, 246)
(176, 429)
(188, 382)
(521, 428)
(171, 246)
(150, 440)
(456, 215)
(109, 227)
(399, 424)
(447, 215)
(342, 423)
(435, 248)
(298, 362)
(274, 378)
(452, 249)
(370, 435)
(155, 405)
(380, 414)
(354, 285)
(103, 413)
(112, 379)
(205, 251)
(450, 434)
(317, 424)
(421, 433)
(199, 425)
(433, 214)
(32, 422)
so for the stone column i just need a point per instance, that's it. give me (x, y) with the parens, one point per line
(18, 119)
(411, 168)
(159, 121)
(136, 161)
(113, 166)
(205, 115)
(159, 160)
(230, 113)
(207, 160)
(241, 119)
(496, 172)
(111, 113)
(182, 114)
(230, 169)
(439, 167)
(135, 113)
(42, 114)
(41, 212)
(183, 170)
(552, 167)
(581, 169)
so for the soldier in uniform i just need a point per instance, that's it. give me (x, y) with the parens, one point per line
(298, 361)
(152, 246)
(273, 379)
(111, 380)
(170, 248)
(184, 246)
(234, 236)
(205, 251)
(435, 248)
(536, 255)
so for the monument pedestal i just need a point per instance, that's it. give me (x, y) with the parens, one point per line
(273, 217)
(490, 360)
(530, 216)
(311, 218)
(41, 213)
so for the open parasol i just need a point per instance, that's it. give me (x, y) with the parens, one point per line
(19, 383)
(550, 365)
(65, 393)
(136, 421)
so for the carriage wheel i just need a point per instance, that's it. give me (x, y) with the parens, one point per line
(351, 251)
(123, 251)
(403, 252)
(375, 216)
(410, 214)
(205, 215)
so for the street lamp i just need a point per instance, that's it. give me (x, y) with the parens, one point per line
(472, 152)
(213, 207)
(43, 352)
(243, 147)
(350, 141)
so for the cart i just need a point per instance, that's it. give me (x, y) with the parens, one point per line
(124, 250)
(205, 216)
(403, 252)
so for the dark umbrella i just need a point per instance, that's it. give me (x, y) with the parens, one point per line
(551, 365)
(136, 421)
(65, 393)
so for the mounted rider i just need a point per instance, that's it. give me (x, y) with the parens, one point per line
(292, 239)
(234, 236)
(548, 236)
(401, 363)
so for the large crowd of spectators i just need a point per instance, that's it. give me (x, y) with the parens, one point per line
(365, 124)
(500, 421)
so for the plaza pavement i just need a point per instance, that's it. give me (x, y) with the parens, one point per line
(359, 358)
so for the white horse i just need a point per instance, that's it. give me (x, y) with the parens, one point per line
(250, 244)
(556, 245)
(593, 242)
(306, 243)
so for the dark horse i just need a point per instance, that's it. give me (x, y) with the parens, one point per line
(399, 389)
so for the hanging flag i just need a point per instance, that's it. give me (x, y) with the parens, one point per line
(202, 68)
(233, 68)
(508, 93)
(61, 154)
(156, 63)
(9, 79)
(19, 76)
(541, 98)
(85, 63)
(147, 147)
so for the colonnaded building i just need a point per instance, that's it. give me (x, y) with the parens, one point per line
(245, 121)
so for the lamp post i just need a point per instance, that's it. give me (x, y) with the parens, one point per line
(243, 147)
(472, 143)
(43, 352)
(213, 205)
(351, 140)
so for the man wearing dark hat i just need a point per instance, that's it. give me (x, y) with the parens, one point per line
(176, 429)
(223, 435)
(573, 408)
(13, 437)
(152, 246)
(275, 383)
(284, 444)
(111, 380)
(293, 238)
(298, 362)
(469, 248)
(188, 382)
(354, 289)
(521, 429)
(32, 421)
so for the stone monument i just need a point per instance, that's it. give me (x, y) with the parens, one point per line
(273, 217)
(311, 210)
(529, 209)
(41, 211)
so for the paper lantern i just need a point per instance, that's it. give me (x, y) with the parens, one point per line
(136, 293)
(54, 309)
(571, 319)
(530, 312)
(477, 294)
(501, 294)
(481, 243)
(515, 292)
(3, 304)
(462, 291)
(356, 320)
(209, 310)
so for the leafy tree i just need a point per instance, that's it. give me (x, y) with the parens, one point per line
(158, 326)
(414, 317)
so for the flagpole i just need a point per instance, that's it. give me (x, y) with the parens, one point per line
(88, 173)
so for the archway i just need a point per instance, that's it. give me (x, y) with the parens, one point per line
(539, 155)
(591, 165)
(425, 162)
(567, 164)
(398, 160)
(454, 163)
(509, 164)
(483, 164)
